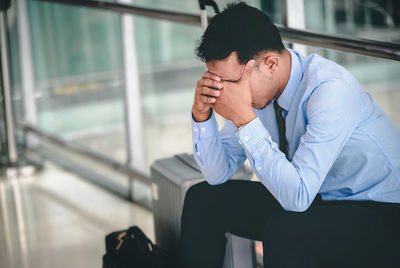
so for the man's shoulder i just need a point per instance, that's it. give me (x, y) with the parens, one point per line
(325, 78)
(318, 70)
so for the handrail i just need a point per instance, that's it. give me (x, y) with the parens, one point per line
(134, 10)
(337, 42)
(83, 151)
(342, 42)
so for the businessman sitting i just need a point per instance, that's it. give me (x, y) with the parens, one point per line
(326, 155)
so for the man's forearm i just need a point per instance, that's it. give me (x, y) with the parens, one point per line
(217, 162)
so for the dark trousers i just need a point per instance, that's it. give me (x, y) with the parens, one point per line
(328, 234)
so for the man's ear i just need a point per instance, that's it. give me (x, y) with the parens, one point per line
(271, 63)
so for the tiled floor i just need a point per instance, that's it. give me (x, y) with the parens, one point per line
(57, 219)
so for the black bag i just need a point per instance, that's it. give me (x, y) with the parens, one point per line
(132, 249)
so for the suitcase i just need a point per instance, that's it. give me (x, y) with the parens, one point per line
(171, 178)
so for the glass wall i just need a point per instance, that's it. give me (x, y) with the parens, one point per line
(371, 19)
(79, 85)
(168, 72)
(79, 76)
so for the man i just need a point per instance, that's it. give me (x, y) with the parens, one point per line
(326, 155)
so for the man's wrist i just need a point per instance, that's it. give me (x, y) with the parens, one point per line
(244, 120)
(198, 117)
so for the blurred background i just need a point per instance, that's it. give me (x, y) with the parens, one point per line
(119, 88)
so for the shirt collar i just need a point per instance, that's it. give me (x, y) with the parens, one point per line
(296, 73)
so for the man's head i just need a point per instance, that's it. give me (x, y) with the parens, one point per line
(235, 36)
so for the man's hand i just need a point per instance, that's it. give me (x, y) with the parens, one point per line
(234, 101)
(207, 90)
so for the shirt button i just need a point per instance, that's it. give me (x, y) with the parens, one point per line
(198, 153)
(195, 129)
(246, 138)
(240, 142)
(203, 129)
(259, 168)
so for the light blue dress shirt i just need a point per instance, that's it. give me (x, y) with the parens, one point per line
(341, 143)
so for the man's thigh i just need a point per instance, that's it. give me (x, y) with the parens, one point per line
(335, 234)
(241, 207)
(238, 207)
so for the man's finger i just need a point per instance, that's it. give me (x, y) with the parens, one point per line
(206, 99)
(211, 76)
(209, 83)
(209, 91)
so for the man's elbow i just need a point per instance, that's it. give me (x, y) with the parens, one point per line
(300, 209)
(215, 181)
(296, 206)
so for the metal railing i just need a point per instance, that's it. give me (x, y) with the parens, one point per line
(337, 42)
(84, 151)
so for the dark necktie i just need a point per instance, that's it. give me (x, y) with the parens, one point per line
(281, 128)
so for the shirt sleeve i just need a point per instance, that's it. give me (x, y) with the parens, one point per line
(218, 154)
(332, 113)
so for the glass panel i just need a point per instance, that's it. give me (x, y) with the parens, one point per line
(273, 9)
(168, 71)
(372, 19)
(78, 75)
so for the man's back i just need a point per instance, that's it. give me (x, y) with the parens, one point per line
(368, 163)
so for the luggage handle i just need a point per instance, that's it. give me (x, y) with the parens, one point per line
(203, 12)
(188, 160)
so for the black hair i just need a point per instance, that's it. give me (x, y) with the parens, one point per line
(240, 28)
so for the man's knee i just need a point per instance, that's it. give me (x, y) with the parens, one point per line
(197, 192)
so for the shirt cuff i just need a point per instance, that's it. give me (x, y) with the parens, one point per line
(251, 133)
(206, 129)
